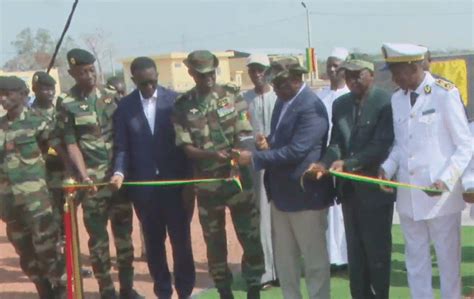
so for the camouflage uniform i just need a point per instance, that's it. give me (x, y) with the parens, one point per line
(54, 167)
(213, 123)
(88, 122)
(25, 201)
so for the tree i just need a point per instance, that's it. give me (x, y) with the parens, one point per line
(99, 45)
(34, 51)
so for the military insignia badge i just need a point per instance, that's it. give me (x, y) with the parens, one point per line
(194, 111)
(223, 102)
(72, 61)
(84, 107)
(427, 89)
(224, 111)
(444, 84)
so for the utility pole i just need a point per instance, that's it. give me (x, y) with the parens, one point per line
(308, 27)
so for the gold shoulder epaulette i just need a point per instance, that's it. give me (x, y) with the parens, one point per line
(444, 84)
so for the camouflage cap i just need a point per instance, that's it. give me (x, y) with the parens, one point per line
(13, 83)
(357, 62)
(76, 57)
(202, 61)
(43, 78)
(282, 68)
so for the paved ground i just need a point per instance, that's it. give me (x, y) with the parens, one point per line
(14, 285)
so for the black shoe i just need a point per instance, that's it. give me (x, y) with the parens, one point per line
(108, 295)
(44, 289)
(130, 294)
(253, 292)
(225, 293)
(338, 268)
(60, 292)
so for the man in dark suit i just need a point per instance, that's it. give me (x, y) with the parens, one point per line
(145, 150)
(298, 136)
(361, 137)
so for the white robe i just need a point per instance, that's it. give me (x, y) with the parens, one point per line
(336, 234)
(261, 109)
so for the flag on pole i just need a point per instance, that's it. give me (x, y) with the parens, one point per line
(310, 60)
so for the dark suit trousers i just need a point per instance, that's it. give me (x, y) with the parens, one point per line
(369, 248)
(165, 213)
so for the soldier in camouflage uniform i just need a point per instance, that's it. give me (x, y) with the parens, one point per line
(210, 120)
(85, 123)
(43, 86)
(24, 199)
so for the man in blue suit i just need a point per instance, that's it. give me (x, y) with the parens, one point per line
(298, 136)
(145, 150)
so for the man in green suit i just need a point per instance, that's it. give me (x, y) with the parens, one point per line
(361, 137)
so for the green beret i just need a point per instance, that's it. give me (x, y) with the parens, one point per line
(357, 62)
(281, 68)
(77, 57)
(43, 78)
(202, 61)
(14, 83)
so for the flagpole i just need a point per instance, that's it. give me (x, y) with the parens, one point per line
(308, 28)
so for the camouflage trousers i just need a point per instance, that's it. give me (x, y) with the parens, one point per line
(98, 210)
(54, 179)
(34, 235)
(246, 219)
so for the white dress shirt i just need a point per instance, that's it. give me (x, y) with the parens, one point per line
(287, 104)
(149, 108)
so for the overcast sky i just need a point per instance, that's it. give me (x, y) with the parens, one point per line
(143, 27)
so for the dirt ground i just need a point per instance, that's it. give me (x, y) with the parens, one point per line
(15, 285)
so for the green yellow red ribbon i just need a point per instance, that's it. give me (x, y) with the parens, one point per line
(235, 180)
(374, 181)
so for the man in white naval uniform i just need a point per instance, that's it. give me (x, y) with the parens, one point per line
(336, 237)
(433, 147)
(261, 100)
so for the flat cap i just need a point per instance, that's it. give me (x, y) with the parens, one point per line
(77, 57)
(282, 67)
(43, 78)
(357, 62)
(202, 61)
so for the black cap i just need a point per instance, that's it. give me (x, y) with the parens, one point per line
(76, 57)
(43, 78)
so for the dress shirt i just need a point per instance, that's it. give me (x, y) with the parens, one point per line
(149, 108)
(287, 104)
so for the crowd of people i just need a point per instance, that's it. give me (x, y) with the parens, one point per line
(281, 138)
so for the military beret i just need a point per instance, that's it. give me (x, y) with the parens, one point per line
(202, 61)
(43, 78)
(282, 67)
(13, 83)
(357, 62)
(76, 57)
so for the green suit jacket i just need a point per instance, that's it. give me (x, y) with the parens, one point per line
(363, 143)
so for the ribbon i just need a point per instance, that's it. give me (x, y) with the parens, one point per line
(373, 181)
(234, 179)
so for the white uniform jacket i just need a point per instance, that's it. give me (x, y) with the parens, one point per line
(432, 142)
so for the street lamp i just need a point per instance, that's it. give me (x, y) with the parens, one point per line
(308, 25)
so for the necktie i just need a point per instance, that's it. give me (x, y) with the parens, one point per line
(413, 96)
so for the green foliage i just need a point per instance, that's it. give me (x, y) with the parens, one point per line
(398, 285)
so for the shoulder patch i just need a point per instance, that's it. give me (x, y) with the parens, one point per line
(444, 84)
